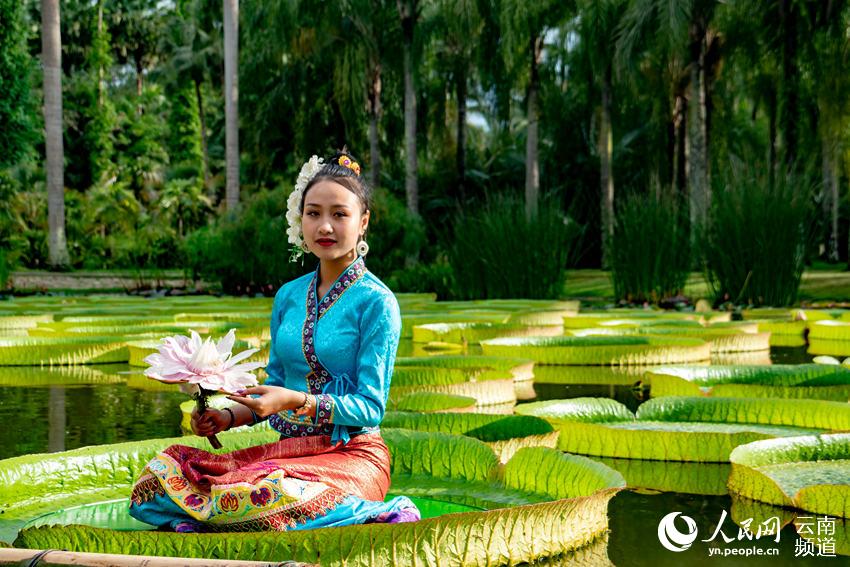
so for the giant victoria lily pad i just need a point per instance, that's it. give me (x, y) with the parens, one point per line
(488, 386)
(682, 428)
(46, 351)
(601, 350)
(586, 375)
(433, 402)
(520, 368)
(811, 473)
(36, 376)
(723, 337)
(818, 381)
(411, 319)
(525, 516)
(506, 434)
(830, 330)
(465, 333)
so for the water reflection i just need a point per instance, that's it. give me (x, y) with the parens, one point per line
(56, 420)
(672, 476)
(629, 396)
(633, 541)
(78, 410)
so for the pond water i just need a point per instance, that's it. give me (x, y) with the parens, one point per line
(43, 417)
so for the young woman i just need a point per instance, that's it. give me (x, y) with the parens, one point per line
(334, 333)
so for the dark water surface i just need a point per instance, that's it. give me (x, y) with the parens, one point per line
(633, 541)
(42, 418)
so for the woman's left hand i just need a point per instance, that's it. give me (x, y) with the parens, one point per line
(273, 399)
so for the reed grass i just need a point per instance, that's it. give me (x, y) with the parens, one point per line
(496, 252)
(755, 245)
(649, 254)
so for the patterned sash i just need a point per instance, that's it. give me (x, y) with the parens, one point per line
(287, 422)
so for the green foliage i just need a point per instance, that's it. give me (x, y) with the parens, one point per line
(246, 250)
(184, 126)
(184, 203)
(393, 234)
(649, 250)
(307, 71)
(12, 243)
(139, 145)
(496, 252)
(424, 278)
(5, 270)
(17, 132)
(99, 111)
(758, 232)
(31, 211)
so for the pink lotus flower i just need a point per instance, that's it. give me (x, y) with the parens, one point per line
(203, 364)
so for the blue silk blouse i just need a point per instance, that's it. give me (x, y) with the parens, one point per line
(340, 347)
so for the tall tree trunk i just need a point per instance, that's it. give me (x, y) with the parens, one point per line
(830, 195)
(100, 86)
(231, 99)
(606, 177)
(788, 23)
(140, 80)
(532, 165)
(698, 188)
(771, 127)
(460, 157)
(374, 108)
(407, 11)
(680, 146)
(51, 45)
(203, 117)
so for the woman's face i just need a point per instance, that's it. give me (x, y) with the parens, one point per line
(332, 221)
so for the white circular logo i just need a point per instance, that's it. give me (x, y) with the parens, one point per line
(673, 539)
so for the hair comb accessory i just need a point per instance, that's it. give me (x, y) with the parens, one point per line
(346, 161)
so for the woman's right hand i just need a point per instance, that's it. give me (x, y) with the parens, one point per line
(211, 422)
(272, 399)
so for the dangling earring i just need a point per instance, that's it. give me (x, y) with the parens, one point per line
(304, 246)
(362, 248)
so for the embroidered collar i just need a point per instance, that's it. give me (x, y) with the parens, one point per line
(349, 275)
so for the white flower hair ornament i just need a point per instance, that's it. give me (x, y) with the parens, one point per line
(293, 213)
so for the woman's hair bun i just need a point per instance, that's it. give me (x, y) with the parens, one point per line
(344, 158)
(343, 168)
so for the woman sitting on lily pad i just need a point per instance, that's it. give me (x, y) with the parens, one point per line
(335, 333)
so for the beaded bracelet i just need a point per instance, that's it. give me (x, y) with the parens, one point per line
(304, 408)
(232, 419)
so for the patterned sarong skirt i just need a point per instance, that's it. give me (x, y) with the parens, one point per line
(294, 483)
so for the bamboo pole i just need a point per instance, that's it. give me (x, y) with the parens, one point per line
(45, 558)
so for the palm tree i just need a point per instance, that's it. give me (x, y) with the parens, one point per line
(599, 20)
(231, 95)
(525, 25)
(830, 58)
(408, 11)
(459, 25)
(135, 31)
(358, 72)
(51, 44)
(685, 27)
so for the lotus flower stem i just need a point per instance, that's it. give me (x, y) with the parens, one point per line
(201, 400)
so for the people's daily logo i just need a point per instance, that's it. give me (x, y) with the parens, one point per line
(671, 538)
